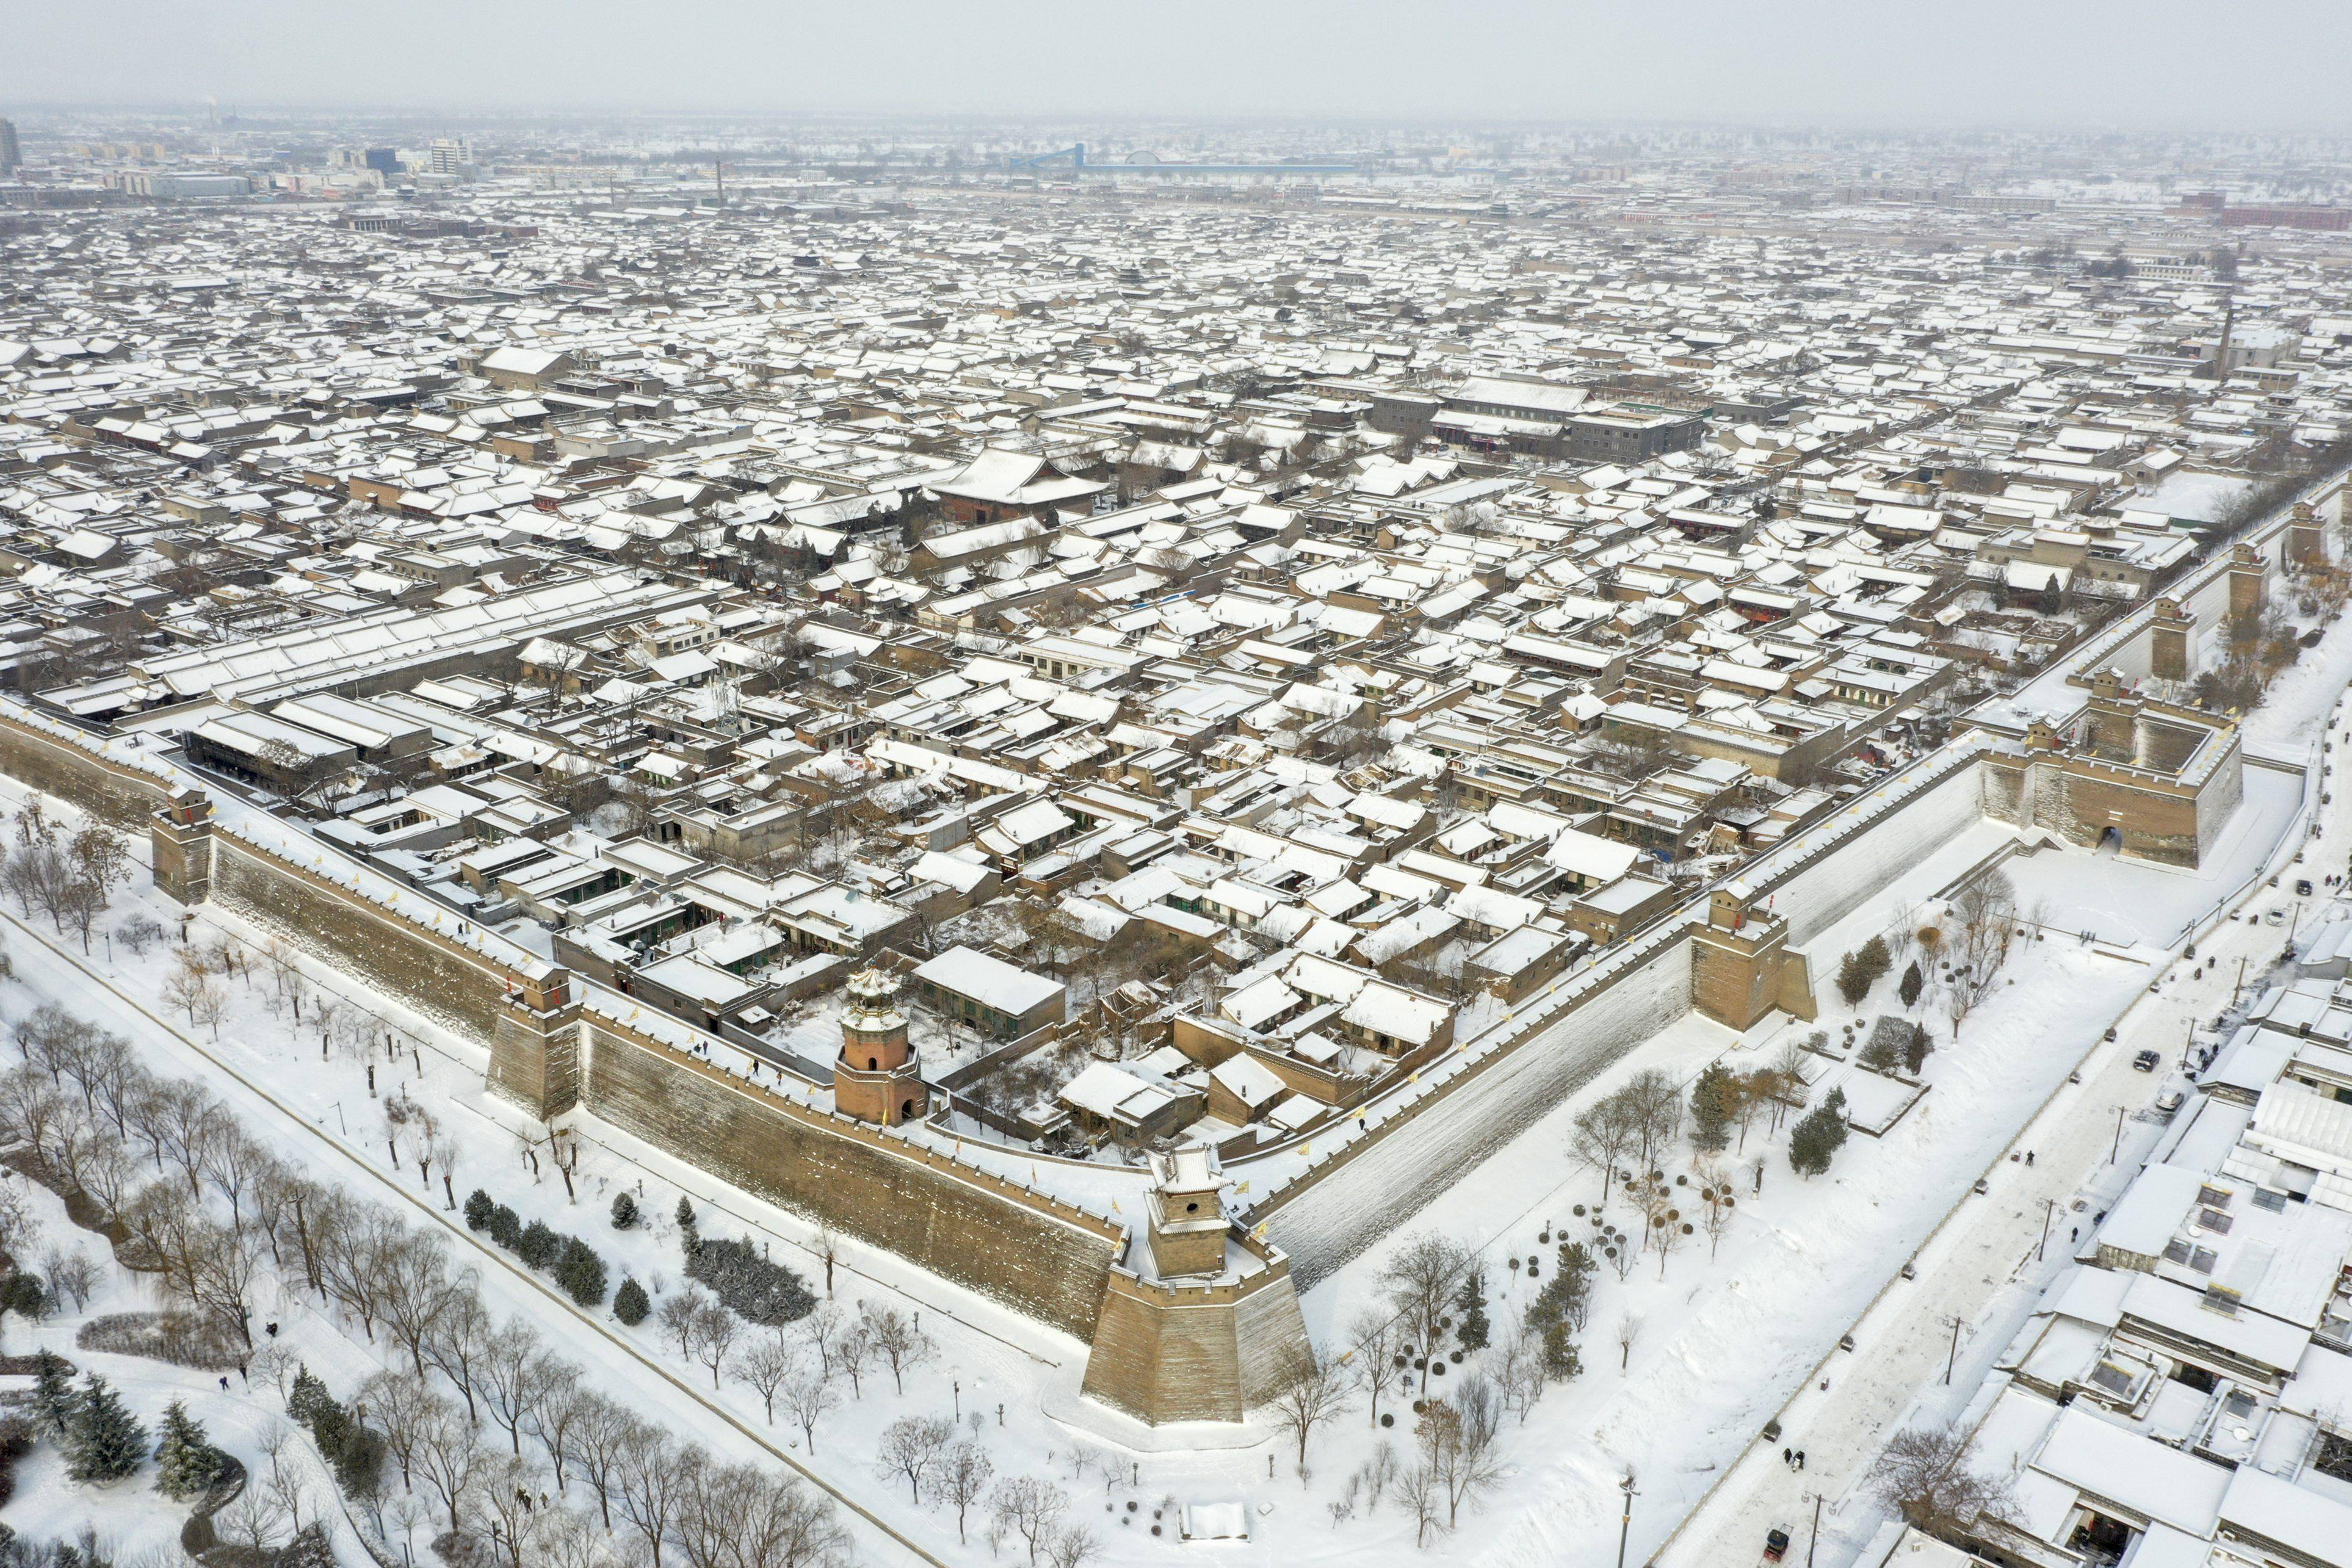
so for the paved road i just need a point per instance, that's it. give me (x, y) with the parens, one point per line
(1980, 1269)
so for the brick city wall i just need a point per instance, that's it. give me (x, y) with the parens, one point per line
(437, 978)
(1372, 1186)
(62, 762)
(957, 1222)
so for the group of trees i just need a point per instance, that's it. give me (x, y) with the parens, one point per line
(70, 877)
(1863, 969)
(1433, 1317)
(101, 1440)
(576, 1265)
(219, 1212)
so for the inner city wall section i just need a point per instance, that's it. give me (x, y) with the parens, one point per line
(1050, 1246)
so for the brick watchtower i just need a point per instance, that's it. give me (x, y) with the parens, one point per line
(1187, 1214)
(180, 839)
(878, 1077)
(2304, 547)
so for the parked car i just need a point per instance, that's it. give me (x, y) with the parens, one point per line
(2303, 887)
(2171, 1099)
(2146, 1061)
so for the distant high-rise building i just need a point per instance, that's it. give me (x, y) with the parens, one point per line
(383, 160)
(449, 154)
(11, 157)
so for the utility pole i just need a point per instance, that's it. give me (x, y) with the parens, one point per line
(1816, 1539)
(2115, 1154)
(2241, 984)
(1625, 1524)
(2049, 1206)
(1952, 1358)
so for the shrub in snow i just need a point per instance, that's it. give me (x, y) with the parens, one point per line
(202, 1340)
(21, 1293)
(624, 1212)
(750, 1286)
(629, 1304)
(505, 1227)
(538, 1245)
(684, 1216)
(581, 1272)
(479, 1207)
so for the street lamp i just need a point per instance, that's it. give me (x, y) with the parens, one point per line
(1625, 1524)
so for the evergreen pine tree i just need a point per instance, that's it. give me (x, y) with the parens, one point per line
(308, 1398)
(480, 1206)
(629, 1304)
(21, 1293)
(106, 1442)
(581, 1272)
(1815, 1140)
(1560, 1359)
(624, 1212)
(505, 1227)
(685, 1217)
(1852, 978)
(1914, 982)
(1713, 1098)
(538, 1245)
(186, 1462)
(1876, 959)
(1915, 1054)
(53, 1396)
(1470, 1309)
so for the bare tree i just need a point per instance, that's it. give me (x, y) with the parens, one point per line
(419, 1290)
(1308, 1394)
(710, 1335)
(912, 1447)
(764, 1365)
(1518, 1364)
(1421, 1281)
(651, 1484)
(447, 1454)
(603, 1436)
(901, 1346)
(1604, 1135)
(1422, 1493)
(964, 1474)
(808, 1394)
(1375, 1344)
(1458, 1438)
(1629, 1330)
(828, 1252)
(1924, 1474)
(1032, 1507)
(514, 1367)
(455, 1344)
(400, 1405)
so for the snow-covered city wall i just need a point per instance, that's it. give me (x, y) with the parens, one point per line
(1815, 885)
(1354, 1202)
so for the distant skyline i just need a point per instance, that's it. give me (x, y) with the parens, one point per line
(2146, 64)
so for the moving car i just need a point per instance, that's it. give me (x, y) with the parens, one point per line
(2145, 1061)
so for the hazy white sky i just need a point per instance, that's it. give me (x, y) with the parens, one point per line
(2138, 64)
